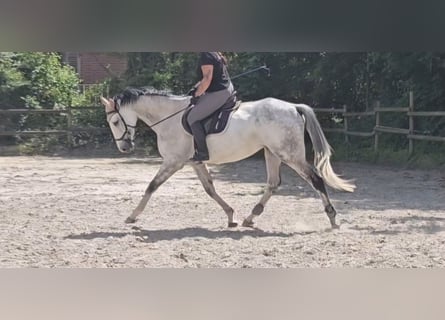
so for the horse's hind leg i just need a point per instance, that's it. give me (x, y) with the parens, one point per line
(165, 172)
(273, 181)
(207, 182)
(308, 173)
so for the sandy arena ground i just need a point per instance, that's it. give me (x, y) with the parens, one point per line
(70, 212)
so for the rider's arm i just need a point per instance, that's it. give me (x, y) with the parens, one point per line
(207, 75)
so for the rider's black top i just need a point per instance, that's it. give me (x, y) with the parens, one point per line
(221, 79)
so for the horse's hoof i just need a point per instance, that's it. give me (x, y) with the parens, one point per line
(130, 220)
(335, 226)
(248, 224)
(233, 224)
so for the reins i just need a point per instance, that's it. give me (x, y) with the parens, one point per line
(172, 115)
(116, 110)
(117, 105)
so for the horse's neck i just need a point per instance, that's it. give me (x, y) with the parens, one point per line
(152, 109)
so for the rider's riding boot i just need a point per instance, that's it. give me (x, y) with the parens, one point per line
(199, 136)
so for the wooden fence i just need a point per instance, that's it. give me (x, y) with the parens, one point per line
(379, 128)
(376, 132)
(67, 112)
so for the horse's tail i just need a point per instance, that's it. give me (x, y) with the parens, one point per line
(323, 151)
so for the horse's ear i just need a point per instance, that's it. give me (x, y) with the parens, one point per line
(111, 104)
(108, 103)
(104, 101)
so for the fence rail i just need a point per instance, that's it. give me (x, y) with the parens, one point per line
(69, 128)
(391, 130)
(376, 132)
(379, 128)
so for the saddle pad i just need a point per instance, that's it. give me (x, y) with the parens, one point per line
(217, 121)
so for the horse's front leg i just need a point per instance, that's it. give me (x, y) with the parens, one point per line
(165, 172)
(207, 182)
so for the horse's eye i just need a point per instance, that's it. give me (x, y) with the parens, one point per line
(114, 123)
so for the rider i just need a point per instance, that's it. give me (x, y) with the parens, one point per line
(210, 93)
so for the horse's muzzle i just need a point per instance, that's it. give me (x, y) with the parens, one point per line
(126, 146)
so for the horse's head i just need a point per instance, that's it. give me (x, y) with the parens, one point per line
(122, 122)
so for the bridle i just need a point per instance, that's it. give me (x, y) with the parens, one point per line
(116, 110)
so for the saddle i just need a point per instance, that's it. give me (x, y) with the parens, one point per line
(217, 121)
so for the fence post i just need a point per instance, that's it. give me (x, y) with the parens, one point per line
(411, 122)
(345, 121)
(69, 119)
(377, 123)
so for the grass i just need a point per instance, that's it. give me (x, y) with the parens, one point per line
(389, 155)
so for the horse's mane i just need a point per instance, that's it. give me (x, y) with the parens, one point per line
(131, 95)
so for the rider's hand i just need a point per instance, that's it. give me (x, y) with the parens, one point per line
(194, 100)
(192, 92)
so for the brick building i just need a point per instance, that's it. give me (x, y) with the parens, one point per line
(96, 67)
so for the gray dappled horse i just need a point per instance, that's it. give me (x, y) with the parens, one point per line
(273, 125)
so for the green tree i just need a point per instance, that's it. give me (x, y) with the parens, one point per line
(49, 81)
(11, 84)
(161, 70)
(36, 80)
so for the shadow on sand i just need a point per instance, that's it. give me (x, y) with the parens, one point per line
(185, 233)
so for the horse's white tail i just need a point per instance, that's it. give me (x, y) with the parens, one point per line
(322, 151)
